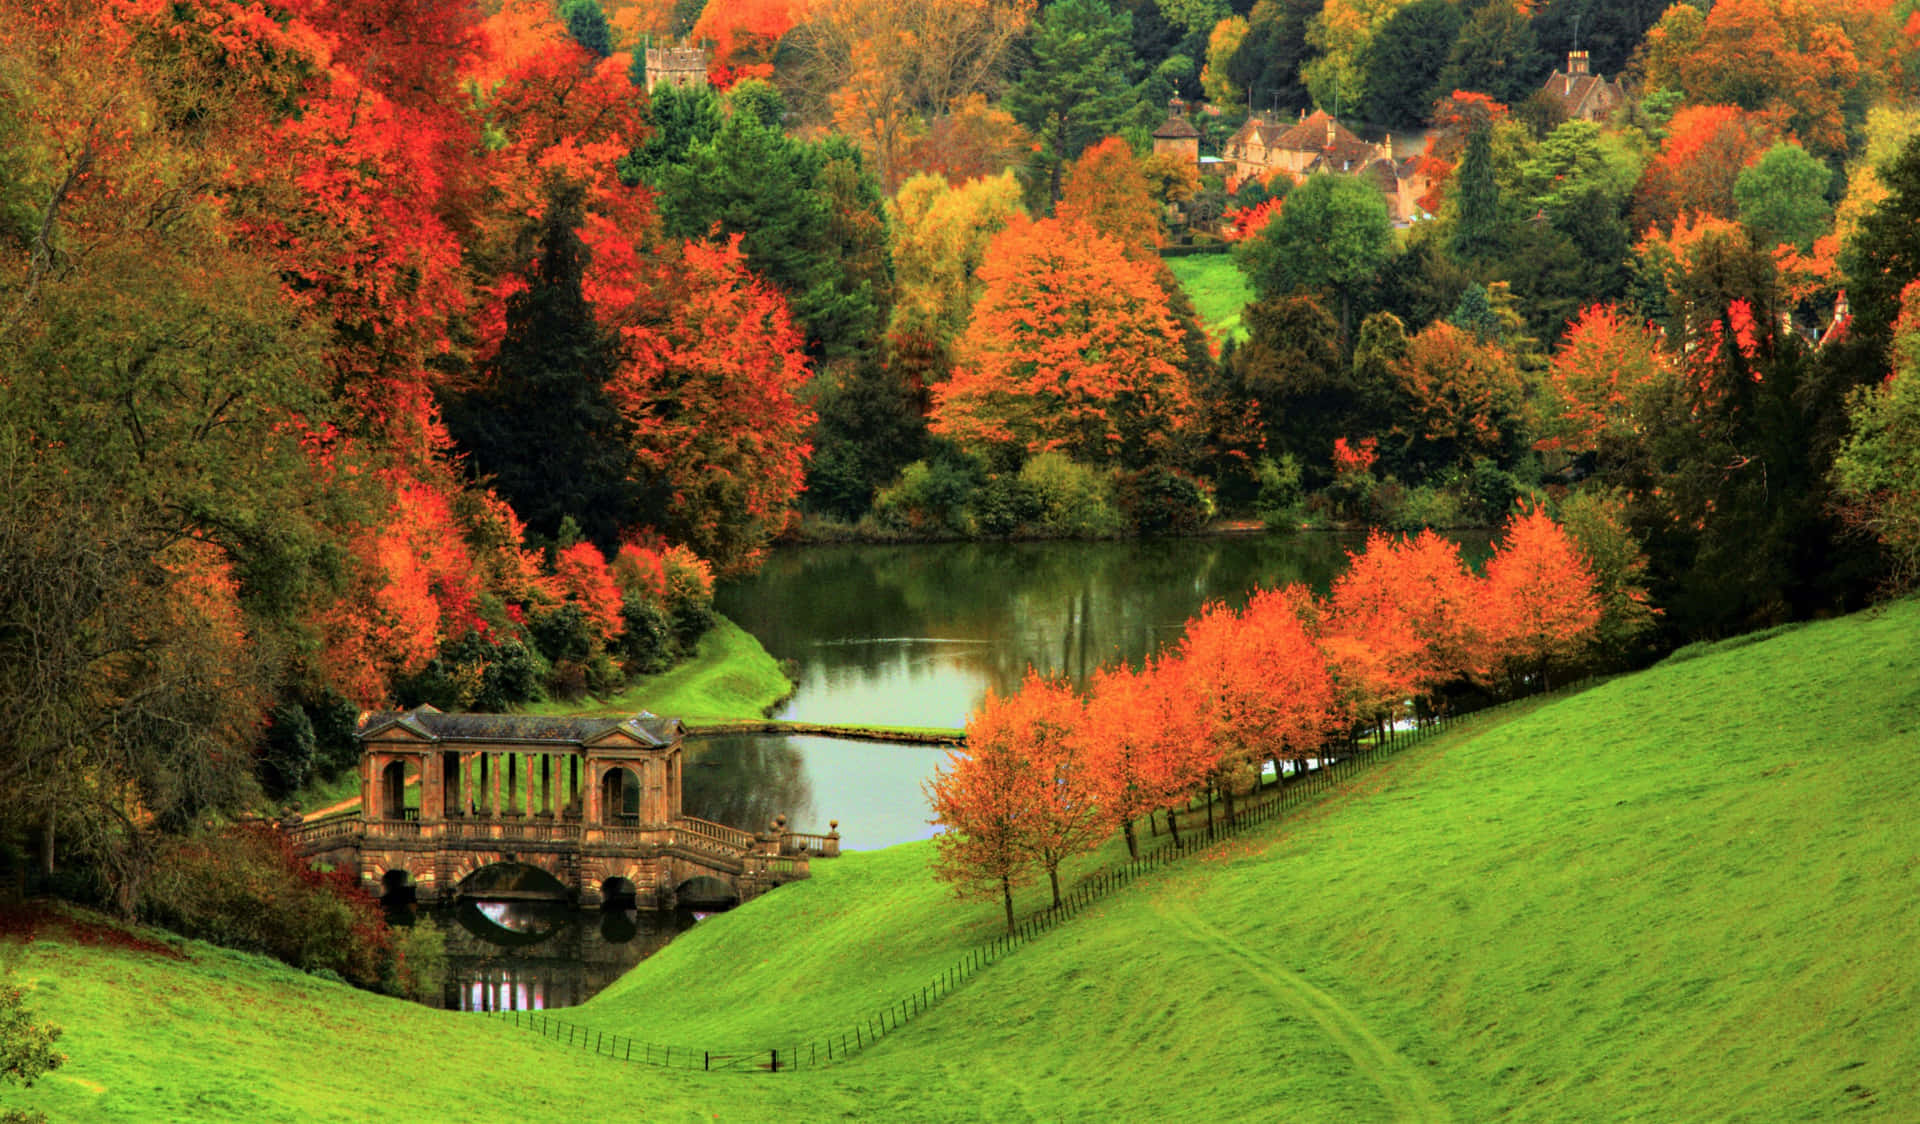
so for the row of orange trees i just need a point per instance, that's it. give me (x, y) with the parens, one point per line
(1049, 772)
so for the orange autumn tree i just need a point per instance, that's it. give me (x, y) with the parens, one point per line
(1069, 815)
(1599, 383)
(885, 73)
(1417, 602)
(1106, 191)
(1464, 397)
(712, 386)
(1071, 347)
(1144, 743)
(1541, 604)
(1803, 64)
(744, 35)
(1258, 683)
(990, 798)
(972, 139)
(1706, 149)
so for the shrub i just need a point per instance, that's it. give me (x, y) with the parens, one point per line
(689, 596)
(245, 889)
(1425, 506)
(1005, 505)
(931, 497)
(1492, 488)
(1075, 500)
(513, 676)
(418, 968)
(1164, 501)
(475, 673)
(1280, 496)
(563, 635)
(647, 644)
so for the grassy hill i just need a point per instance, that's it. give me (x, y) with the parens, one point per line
(1686, 894)
(1218, 291)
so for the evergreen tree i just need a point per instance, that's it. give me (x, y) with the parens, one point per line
(1495, 54)
(1404, 59)
(1476, 199)
(588, 26)
(1267, 62)
(781, 196)
(1077, 87)
(1474, 314)
(542, 425)
(682, 117)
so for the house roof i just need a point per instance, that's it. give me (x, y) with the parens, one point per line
(1175, 127)
(431, 724)
(1577, 90)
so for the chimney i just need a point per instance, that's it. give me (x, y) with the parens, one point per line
(1330, 128)
(1576, 63)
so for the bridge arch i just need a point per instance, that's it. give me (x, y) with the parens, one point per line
(706, 891)
(617, 892)
(525, 876)
(398, 887)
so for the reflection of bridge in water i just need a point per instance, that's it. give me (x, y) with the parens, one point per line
(517, 807)
(529, 956)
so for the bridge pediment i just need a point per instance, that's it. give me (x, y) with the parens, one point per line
(405, 726)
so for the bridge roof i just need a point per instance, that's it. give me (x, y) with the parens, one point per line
(431, 724)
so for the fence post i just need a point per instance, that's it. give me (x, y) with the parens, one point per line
(706, 1059)
(776, 1060)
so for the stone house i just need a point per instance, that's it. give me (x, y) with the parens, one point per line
(1316, 142)
(676, 66)
(1581, 94)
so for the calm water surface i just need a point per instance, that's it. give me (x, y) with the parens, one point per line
(916, 635)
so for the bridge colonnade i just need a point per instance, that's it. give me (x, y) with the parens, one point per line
(591, 802)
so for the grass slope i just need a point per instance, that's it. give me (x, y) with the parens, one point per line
(730, 678)
(1218, 291)
(1686, 894)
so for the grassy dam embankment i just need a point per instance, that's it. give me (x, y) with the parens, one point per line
(1690, 893)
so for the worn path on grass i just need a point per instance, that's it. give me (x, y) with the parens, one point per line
(1405, 1089)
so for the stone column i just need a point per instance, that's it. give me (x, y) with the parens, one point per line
(494, 807)
(432, 771)
(369, 769)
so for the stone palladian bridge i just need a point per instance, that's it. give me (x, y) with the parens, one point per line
(594, 803)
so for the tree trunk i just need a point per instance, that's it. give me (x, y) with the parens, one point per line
(1006, 894)
(1053, 878)
(1209, 812)
(1173, 825)
(1133, 842)
(1227, 788)
(46, 848)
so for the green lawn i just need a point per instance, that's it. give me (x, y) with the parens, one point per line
(1685, 894)
(1218, 290)
(730, 678)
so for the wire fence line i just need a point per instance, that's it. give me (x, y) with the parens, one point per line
(833, 1047)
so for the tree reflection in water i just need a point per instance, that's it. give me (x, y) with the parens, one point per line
(915, 635)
